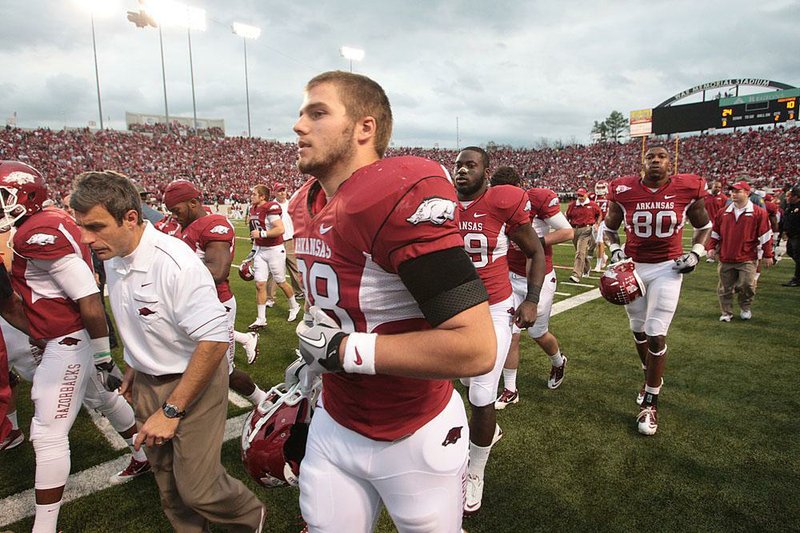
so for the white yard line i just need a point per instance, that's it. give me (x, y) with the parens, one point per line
(576, 284)
(114, 439)
(87, 482)
(237, 400)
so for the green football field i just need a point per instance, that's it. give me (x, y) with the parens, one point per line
(726, 456)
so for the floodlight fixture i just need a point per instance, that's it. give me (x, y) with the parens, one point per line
(351, 54)
(246, 31)
(98, 8)
(170, 13)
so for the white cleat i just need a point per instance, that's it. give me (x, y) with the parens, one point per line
(648, 420)
(725, 317)
(270, 303)
(258, 324)
(251, 347)
(293, 312)
(746, 314)
(474, 495)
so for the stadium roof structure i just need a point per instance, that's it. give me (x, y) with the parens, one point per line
(733, 82)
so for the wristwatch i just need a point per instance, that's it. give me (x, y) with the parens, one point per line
(171, 411)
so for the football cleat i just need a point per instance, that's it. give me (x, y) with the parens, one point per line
(620, 284)
(134, 469)
(648, 420)
(498, 434)
(258, 324)
(725, 317)
(270, 302)
(251, 347)
(474, 494)
(12, 440)
(640, 396)
(557, 375)
(507, 397)
(293, 312)
(574, 279)
(746, 314)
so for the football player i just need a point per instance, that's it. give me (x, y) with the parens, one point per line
(654, 210)
(551, 227)
(600, 197)
(212, 238)
(52, 272)
(489, 219)
(397, 312)
(269, 254)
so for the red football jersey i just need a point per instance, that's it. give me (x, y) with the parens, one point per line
(544, 204)
(348, 252)
(47, 235)
(602, 203)
(259, 220)
(169, 225)
(485, 225)
(654, 220)
(206, 229)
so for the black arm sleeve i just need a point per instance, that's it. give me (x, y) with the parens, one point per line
(5, 283)
(443, 283)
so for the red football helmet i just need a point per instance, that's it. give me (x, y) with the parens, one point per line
(620, 284)
(246, 271)
(274, 437)
(22, 191)
(601, 188)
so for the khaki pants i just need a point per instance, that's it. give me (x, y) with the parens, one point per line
(739, 278)
(581, 240)
(291, 269)
(194, 487)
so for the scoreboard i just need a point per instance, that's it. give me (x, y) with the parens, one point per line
(749, 110)
(765, 108)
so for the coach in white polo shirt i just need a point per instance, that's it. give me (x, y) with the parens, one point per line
(175, 333)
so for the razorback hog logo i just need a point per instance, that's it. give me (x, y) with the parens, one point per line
(42, 239)
(452, 436)
(69, 341)
(553, 201)
(619, 189)
(221, 230)
(434, 210)
(144, 311)
(20, 178)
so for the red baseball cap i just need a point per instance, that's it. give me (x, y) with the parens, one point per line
(180, 191)
(582, 190)
(280, 187)
(741, 185)
(769, 197)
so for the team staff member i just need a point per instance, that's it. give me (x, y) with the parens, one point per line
(582, 214)
(791, 227)
(175, 333)
(282, 199)
(397, 312)
(741, 238)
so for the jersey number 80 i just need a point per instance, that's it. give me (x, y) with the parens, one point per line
(646, 224)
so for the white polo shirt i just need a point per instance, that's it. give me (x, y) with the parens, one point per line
(165, 302)
(288, 225)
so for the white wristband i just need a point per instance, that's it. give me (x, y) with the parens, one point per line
(359, 354)
(100, 347)
(699, 249)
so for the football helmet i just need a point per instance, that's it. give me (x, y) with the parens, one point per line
(620, 284)
(246, 271)
(22, 192)
(601, 188)
(274, 436)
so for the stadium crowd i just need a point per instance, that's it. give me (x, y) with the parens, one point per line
(226, 167)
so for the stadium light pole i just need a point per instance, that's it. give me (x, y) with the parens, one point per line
(246, 32)
(351, 54)
(100, 7)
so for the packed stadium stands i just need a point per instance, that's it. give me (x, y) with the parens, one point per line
(227, 167)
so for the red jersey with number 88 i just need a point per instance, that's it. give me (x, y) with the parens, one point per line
(654, 219)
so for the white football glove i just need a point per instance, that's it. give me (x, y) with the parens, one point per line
(617, 254)
(319, 338)
(688, 261)
(108, 371)
(300, 372)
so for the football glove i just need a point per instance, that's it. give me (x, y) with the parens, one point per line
(319, 338)
(108, 372)
(251, 255)
(688, 261)
(300, 372)
(617, 254)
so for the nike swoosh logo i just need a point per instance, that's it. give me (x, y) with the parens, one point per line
(669, 196)
(323, 229)
(358, 360)
(316, 343)
(479, 215)
(146, 284)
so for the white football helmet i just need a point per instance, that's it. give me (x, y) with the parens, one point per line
(601, 188)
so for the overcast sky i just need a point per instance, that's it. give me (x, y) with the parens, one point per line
(509, 72)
